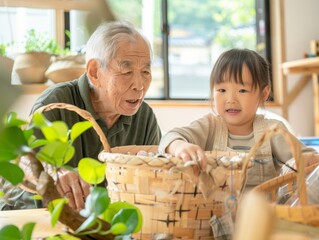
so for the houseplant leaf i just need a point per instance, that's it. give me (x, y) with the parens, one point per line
(11, 141)
(11, 172)
(91, 170)
(58, 130)
(89, 222)
(97, 202)
(10, 232)
(129, 217)
(115, 207)
(39, 121)
(12, 120)
(78, 128)
(56, 153)
(55, 207)
(27, 230)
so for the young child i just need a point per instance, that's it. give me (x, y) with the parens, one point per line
(239, 84)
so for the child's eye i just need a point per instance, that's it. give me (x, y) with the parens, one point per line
(243, 91)
(221, 90)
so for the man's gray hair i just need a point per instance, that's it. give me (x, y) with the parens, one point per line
(103, 43)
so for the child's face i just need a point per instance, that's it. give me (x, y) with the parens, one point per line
(237, 104)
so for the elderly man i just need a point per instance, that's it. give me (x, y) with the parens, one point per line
(118, 75)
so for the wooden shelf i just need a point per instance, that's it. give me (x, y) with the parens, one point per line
(308, 68)
(66, 5)
(304, 66)
(32, 88)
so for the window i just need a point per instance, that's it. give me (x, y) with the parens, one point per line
(16, 21)
(186, 36)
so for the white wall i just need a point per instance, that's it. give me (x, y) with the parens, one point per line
(301, 24)
(301, 20)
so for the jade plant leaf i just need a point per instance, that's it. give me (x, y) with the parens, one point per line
(127, 216)
(28, 134)
(117, 229)
(55, 208)
(91, 170)
(58, 130)
(115, 207)
(10, 232)
(97, 202)
(12, 172)
(79, 128)
(89, 222)
(56, 153)
(12, 120)
(27, 230)
(39, 121)
(11, 141)
(38, 143)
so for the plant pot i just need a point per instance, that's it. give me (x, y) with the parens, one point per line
(63, 69)
(7, 64)
(31, 66)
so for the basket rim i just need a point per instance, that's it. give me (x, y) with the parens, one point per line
(283, 179)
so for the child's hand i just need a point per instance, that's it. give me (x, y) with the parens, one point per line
(187, 152)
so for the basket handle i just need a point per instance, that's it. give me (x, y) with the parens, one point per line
(296, 152)
(83, 113)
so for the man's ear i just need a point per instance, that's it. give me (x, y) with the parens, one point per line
(92, 71)
(266, 93)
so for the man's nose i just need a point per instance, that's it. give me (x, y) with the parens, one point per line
(138, 82)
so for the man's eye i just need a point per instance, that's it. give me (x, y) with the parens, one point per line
(147, 73)
(126, 73)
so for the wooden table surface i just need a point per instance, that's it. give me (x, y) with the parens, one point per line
(40, 216)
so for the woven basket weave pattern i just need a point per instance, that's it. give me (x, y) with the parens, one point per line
(304, 213)
(171, 204)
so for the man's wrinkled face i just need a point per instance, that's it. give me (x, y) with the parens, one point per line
(125, 81)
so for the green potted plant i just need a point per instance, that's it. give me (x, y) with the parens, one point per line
(32, 64)
(100, 219)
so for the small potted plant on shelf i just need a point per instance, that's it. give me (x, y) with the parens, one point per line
(32, 64)
(45, 59)
(100, 219)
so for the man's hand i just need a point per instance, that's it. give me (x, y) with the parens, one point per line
(71, 186)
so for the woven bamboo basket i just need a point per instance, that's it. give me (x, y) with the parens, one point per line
(175, 203)
(303, 213)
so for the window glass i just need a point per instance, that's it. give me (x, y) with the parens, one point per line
(186, 36)
(199, 30)
(16, 22)
(146, 15)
